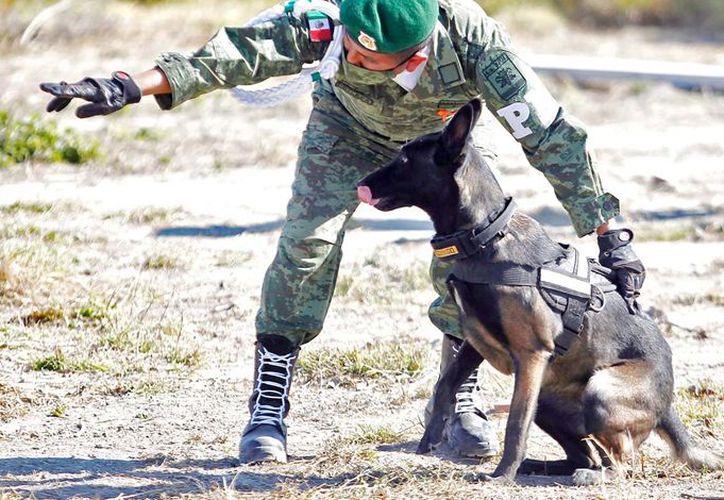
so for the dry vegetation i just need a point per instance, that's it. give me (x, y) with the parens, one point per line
(129, 279)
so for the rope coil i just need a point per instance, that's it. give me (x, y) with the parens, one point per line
(304, 81)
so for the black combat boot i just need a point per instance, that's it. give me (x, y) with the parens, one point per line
(265, 436)
(468, 431)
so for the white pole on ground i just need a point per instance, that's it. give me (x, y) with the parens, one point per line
(602, 68)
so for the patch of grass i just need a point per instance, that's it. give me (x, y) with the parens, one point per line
(704, 15)
(31, 231)
(43, 316)
(368, 434)
(713, 298)
(158, 262)
(339, 452)
(669, 235)
(416, 277)
(34, 138)
(58, 411)
(701, 407)
(380, 281)
(233, 258)
(58, 362)
(145, 215)
(147, 134)
(142, 387)
(390, 360)
(13, 403)
(91, 312)
(22, 207)
(191, 359)
(118, 341)
(344, 285)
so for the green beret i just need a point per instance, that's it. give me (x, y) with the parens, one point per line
(389, 26)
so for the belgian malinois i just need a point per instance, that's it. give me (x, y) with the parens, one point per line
(603, 397)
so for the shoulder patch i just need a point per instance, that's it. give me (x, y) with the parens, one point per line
(504, 76)
(449, 74)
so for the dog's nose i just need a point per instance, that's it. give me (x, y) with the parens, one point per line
(364, 193)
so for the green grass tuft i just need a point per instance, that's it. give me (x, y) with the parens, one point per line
(374, 361)
(157, 262)
(39, 139)
(43, 316)
(59, 363)
(368, 434)
(58, 411)
(701, 407)
(191, 359)
(21, 207)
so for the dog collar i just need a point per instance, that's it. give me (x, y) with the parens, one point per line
(464, 244)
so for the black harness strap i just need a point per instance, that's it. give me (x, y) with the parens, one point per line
(566, 284)
(466, 243)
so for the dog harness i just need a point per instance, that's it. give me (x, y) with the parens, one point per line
(570, 285)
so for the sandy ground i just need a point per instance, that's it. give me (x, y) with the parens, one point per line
(154, 256)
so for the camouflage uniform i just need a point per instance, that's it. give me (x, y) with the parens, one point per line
(360, 120)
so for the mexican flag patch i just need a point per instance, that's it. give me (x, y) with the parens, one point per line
(320, 26)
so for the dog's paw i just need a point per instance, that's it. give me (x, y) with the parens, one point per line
(427, 443)
(424, 446)
(589, 477)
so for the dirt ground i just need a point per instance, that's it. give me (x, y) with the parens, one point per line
(129, 285)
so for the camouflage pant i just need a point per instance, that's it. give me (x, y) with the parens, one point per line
(299, 284)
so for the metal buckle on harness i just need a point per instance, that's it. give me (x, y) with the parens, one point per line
(598, 299)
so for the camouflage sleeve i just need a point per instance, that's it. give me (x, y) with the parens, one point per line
(555, 143)
(239, 56)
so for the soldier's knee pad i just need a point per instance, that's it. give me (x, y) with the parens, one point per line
(306, 253)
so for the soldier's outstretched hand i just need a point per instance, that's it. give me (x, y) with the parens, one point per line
(106, 95)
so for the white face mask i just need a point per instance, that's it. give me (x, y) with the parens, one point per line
(407, 79)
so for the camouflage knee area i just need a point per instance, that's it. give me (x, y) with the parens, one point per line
(444, 312)
(299, 284)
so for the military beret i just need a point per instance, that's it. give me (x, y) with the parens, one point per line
(389, 26)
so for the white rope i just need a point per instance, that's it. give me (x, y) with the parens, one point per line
(302, 83)
(43, 17)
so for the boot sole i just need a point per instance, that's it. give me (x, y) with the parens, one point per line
(262, 455)
(475, 454)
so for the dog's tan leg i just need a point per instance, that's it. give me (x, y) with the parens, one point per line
(620, 412)
(529, 370)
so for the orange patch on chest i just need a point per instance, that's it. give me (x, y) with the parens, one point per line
(444, 114)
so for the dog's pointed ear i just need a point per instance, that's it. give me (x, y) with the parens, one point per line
(477, 105)
(455, 135)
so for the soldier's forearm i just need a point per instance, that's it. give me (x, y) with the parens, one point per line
(152, 82)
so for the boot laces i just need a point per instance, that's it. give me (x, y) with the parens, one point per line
(464, 396)
(272, 384)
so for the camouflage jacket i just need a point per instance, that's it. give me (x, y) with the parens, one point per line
(471, 56)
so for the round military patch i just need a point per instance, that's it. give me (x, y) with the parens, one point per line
(367, 41)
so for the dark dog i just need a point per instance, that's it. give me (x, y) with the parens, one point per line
(603, 397)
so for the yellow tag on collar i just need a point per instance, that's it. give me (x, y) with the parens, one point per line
(446, 252)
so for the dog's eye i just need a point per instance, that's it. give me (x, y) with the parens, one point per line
(404, 160)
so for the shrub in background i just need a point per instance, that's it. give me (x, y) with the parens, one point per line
(695, 14)
(35, 139)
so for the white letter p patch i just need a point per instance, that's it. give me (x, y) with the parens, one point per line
(516, 114)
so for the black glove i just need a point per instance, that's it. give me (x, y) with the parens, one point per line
(617, 253)
(106, 95)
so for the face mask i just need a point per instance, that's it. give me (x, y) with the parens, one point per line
(357, 74)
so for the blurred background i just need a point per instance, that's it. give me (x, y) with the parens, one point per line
(133, 247)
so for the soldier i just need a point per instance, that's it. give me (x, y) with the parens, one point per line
(407, 67)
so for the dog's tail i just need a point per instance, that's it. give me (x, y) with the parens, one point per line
(672, 430)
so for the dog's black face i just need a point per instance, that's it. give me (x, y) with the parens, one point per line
(423, 173)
